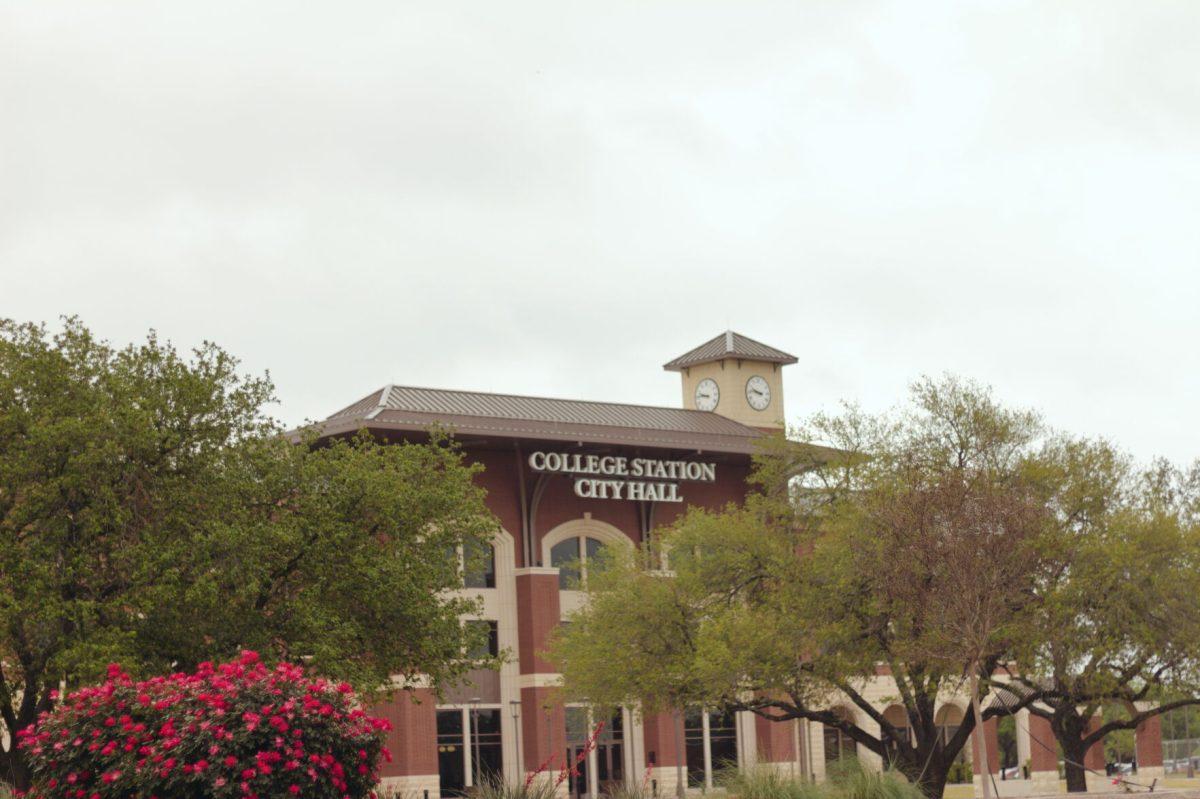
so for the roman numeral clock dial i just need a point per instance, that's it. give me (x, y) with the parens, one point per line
(707, 394)
(758, 393)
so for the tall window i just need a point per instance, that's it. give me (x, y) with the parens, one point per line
(452, 747)
(610, 754)
(577, 735)
(603, 771)
(479, 565)
(469, 749)
(571, 558)
(839, 745)
(490, 645)
(710, 743)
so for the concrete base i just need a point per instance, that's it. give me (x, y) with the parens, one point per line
(1018, 787)
(1042, 782)
(662, 781)
(416, 786)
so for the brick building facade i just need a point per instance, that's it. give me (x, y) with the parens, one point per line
(564, 478)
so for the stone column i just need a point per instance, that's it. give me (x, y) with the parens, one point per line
(1148, 745)
(659, 732)
(776, 744)
(412, 742)
(543, 725)
(1043, 756)
(990, 739)
(1094, 760)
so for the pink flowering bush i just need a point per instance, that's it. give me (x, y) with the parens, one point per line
(237, 730)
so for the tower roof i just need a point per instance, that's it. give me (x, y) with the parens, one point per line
(729, 345)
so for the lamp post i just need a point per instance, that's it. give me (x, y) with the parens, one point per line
(514, 705)
(475, 740)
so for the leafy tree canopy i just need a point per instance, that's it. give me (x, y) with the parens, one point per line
(152, 513)
(837, 567)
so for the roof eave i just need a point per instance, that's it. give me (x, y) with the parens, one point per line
(517, 429)
(678, 366)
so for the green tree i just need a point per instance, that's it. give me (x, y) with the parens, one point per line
(152, 513)
(1117, 631)
(912, 531)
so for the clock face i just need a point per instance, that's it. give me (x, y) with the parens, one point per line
(758, 393)
(707, 394)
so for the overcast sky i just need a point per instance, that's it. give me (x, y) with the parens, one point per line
(556, 198)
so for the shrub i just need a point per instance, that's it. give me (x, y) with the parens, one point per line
(850, 780)
(765, 782)
(494, 787)
(847, 779)
(960, 771)
(237, 730)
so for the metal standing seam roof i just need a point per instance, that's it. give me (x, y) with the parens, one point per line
(729, 345)
(515, 416)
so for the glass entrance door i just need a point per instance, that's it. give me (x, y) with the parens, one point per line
(610, 756)
(577, 759)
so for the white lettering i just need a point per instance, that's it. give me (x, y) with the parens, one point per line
(667, 473)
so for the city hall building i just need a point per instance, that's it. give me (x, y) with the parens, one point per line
(564, 478)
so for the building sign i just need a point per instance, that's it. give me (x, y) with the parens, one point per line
(618, 477)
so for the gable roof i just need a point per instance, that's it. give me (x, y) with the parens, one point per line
(729, 345)
(408, 408)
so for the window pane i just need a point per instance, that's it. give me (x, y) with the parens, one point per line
(489, 760)
(565, 556)
(480, 561)
(577, 725)
(490, 646)
(722, 740)
(592, 549)
(693, 740)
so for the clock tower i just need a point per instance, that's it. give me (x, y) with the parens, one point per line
(736, 377)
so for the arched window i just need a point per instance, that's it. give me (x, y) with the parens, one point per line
(571, 557)
(711, 744)
(479, 565)
(948, 719)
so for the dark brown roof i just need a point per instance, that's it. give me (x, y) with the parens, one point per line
(512, 416)
(729, 345)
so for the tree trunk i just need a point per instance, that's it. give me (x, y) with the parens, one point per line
(677, 726)
(985, 768)
(1076, 774)
(927, 773)
(1069, 728)
(13, 770)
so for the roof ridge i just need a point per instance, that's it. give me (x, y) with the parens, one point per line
(385, 395)
(566, 399)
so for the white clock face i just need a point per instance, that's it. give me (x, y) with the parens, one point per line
(707, 394)
(758, 393)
